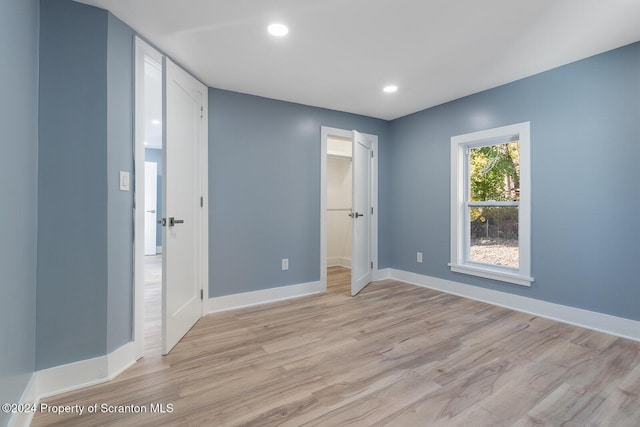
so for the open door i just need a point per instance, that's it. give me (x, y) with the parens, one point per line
(182, 284)
(361, 266)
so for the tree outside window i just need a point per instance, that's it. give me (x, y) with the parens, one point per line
(494, 176)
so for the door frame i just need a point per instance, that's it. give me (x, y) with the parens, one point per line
(142, 50)
(325, 133)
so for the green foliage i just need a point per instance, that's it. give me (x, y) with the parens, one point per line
(495, 175)
(495, 172)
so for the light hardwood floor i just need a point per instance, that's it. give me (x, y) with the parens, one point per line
(152, 302)
(394, 355)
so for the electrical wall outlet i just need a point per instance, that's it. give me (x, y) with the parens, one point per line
(285, 263)
(419, 257)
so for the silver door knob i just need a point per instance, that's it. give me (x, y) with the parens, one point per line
(173, 221)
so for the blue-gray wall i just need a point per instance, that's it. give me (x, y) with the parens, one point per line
(18, 195)
(155, 155)
(585, 149)
(85, 272)
(264, 189)
(72, 190)
(120, 143)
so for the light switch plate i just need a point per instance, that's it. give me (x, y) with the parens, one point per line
(124, 181)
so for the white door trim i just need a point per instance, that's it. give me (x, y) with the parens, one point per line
(325, 133)
(374, 203)
(142, 50)
(203, 274)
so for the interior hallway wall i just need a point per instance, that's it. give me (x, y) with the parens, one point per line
(85, 223)
(18, 195)
(264, 190)
(585, 146)
(120, 141)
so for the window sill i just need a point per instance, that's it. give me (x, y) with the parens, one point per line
(490, 273)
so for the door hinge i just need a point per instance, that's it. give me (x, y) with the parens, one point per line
(201, 201)
(201, 112)
(372, 265)
(372, 154)
(371, 210)
(201, 293)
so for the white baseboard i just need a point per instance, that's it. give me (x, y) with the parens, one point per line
(72, 376)
(339, 262)
(120, 360)
(247, 299)
(618, 326)
(382, 274)
(30, 397)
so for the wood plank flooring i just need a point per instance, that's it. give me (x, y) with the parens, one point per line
(395, 355)
(152, 305)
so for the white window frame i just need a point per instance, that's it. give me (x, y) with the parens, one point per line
(460, 233)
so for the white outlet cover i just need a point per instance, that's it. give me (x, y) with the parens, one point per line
(419, 257)
(285, 263)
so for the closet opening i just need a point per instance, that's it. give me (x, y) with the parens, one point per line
(339, 175)
(348, 210)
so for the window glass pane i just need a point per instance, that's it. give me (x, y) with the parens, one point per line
(494, 235)
(494, 172)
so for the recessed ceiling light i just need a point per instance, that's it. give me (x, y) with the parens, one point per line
(278, 30)
(390, 89)
(155, 122)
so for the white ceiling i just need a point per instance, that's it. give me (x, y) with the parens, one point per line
(340, 53)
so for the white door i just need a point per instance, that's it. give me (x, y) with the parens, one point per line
(150, 206)
(181, 256)
(361, 267)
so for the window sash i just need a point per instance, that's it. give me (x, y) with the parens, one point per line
(466, 250)
(461, 204)
(492, 203)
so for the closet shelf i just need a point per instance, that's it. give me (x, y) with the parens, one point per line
(339, 156)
